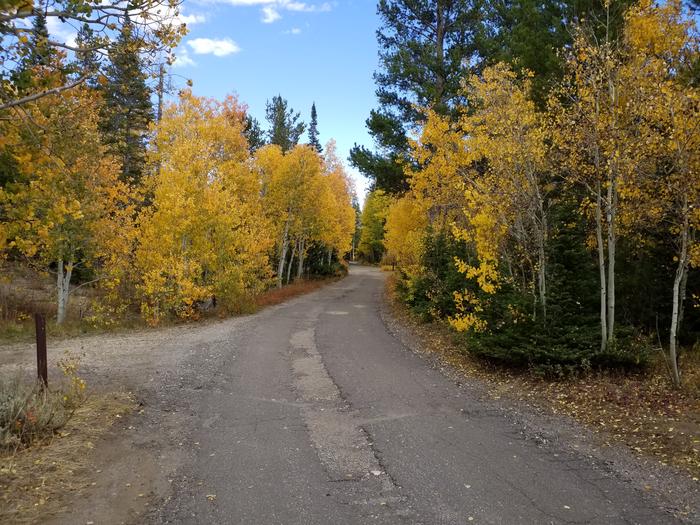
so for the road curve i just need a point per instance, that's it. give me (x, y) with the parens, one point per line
(316, 414)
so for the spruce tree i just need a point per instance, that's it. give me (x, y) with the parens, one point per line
(86, 60)
(127, 110)
(253, 133)
(530, 34)
(40, 50)
(426, 48)
(313, 130)
(40, 54)
(284, 130)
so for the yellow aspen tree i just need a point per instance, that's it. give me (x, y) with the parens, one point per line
(374, 213)
(590, 130)
(205, 234)
(506, 132)
(435, 174)
(71, 209)
(660, 45)
(339, 224)
(290, 181)
(405, 229)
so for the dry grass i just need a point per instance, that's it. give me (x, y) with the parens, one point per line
(642, 411)
(275, 296)
(35, 481)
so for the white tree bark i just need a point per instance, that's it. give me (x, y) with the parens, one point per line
(283, 253)
(300, 268)
(612, 246)
(291, 260)
(601, 268)
(681, 272)
(63, 276)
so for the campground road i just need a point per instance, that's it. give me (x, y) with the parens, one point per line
(314, 412)
(319, 415)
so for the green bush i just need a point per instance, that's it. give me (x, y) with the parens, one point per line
(431, 293)
(567, 343)
(560, 351)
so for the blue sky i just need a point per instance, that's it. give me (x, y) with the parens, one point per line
(306, 51)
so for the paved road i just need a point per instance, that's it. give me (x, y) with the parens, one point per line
(313, 413)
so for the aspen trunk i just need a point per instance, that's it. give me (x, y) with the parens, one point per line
(63, 277)
(612, 245)
(681, 271)
(291, 260)
(330, 255)
(283, 254)
(542, 283)
(300, 268)
(601, 268)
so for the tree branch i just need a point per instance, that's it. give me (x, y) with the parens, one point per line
(36, 96)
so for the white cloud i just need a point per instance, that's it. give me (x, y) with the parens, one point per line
(270, 14)
(211, 46)
(291, 5)
(270, 9)
(190, 19)
(61, 31)
(293, 31)
(183, 59)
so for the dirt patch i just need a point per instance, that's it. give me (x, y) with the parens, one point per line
(34, 482)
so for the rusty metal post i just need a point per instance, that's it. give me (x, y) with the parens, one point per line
(41, 360)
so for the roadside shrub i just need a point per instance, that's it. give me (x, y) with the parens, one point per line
(559, 352)
(29, 413)
(430, 292)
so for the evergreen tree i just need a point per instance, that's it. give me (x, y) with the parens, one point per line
(284, 130)
(127, 110)
(313, 130)
(40, 51)
(40, 54)
(86, 60)
(530, 34)
(426, 48)
(253, 133)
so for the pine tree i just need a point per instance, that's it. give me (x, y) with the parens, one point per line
(40, 54)
(313, 130)
(530, 35)
(253, 133)
(284, 130)
(86, 61)
(128, 110)
(426, 47)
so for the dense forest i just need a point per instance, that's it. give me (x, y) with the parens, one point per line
(536, 177)
(157, 200)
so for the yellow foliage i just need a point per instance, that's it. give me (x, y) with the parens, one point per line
(404, 231)
(70, 204)
(205, 233)
(468, 309)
